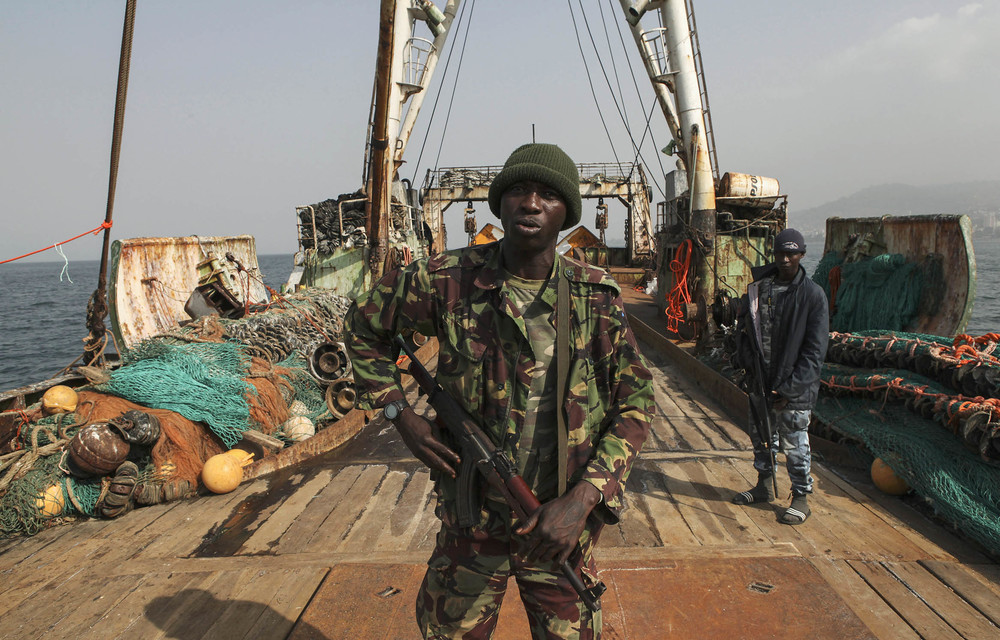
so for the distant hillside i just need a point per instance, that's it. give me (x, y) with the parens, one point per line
(976, 199)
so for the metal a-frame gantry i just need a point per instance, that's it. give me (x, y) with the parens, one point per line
(626, 183)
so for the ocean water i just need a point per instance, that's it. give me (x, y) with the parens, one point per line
(43, 315)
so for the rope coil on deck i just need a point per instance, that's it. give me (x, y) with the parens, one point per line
(679, 294)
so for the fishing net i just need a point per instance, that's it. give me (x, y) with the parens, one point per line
(881, 292)
(206, 383)
(33, 477)
(930, 408)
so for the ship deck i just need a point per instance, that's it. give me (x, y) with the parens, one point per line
(335, 548)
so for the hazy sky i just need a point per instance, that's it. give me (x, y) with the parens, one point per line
(238, 111)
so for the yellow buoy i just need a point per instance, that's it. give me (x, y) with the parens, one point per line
(52, 502)
(59, 399)
(222, 473)
(886, 479)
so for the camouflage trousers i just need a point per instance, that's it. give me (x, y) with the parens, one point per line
(467, 575)
(791, 435)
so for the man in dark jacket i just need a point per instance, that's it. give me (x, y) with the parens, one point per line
(784, 323)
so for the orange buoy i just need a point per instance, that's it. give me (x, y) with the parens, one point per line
(886, 479)
(222, 473)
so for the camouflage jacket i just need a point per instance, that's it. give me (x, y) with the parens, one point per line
(460, 297)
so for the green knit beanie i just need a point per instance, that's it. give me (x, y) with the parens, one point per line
(545, 163)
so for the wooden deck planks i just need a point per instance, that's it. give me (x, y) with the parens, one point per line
(692, 438)
(180, 613)
(81, 616)
(983, 596)
(959, 614)
(288, 603)
(269, 533)
(716, 498)
(298, 534)
(406, 517)
(865, 602)
(374, 519)
(123, 609)
(33, 616)
(917, 613)
(331, 533)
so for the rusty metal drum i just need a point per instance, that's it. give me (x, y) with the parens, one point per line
(748, 191)
(97, 450)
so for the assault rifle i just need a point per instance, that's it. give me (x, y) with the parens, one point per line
(495, 466)
(760, 411)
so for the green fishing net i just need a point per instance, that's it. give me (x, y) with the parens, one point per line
(305, 388)
(880, 292)
(202, 381)
(949, 458)
(961, 488)
(202, 372)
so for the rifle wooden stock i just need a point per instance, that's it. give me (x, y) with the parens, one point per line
(495, 466)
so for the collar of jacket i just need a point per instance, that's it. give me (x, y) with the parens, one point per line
(759, 273)
(485, 260)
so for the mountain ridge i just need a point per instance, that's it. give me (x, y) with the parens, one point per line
(978, 199)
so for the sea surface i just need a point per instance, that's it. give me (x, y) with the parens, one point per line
(43, 313)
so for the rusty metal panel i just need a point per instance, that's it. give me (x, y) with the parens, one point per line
(151, 279)
(707, 598)
(732, 598)
(362, 601)
(734, 257)
(345, 270)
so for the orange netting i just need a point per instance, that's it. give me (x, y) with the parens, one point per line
(182, 442)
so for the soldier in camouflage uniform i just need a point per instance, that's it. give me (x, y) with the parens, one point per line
(493, 310)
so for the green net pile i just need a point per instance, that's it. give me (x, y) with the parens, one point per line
(205, 372)
(881, 292)
(960, 487)
(304, 387)
(21, 502)
(951, 460)
(202, 381)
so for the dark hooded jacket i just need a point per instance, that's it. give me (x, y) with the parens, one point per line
(799, 339)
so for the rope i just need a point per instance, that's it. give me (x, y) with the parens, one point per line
(679, 294)
(458, 71)
(590, 81)
(457, 24)
(104, 225)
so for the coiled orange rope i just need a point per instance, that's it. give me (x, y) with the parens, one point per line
(679, 294)
(104, 225)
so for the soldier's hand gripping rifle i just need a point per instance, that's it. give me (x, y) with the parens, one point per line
(760, 411)
(495, 466)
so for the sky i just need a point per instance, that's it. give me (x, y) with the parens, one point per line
(238, 111)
